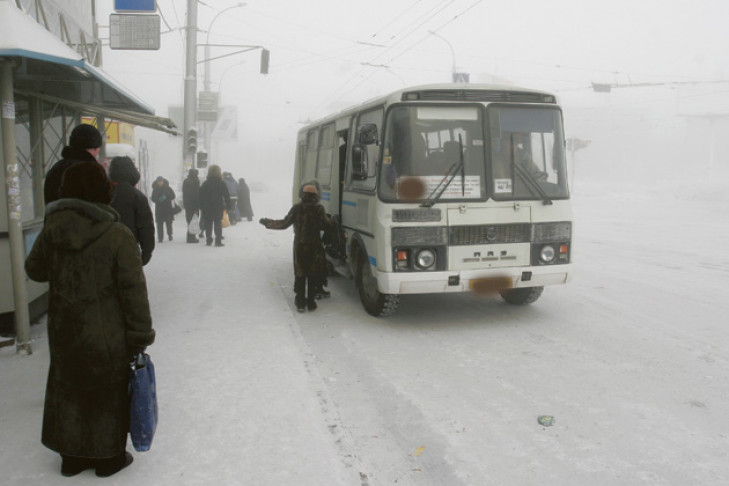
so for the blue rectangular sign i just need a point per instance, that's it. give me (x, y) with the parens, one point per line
(135, 5)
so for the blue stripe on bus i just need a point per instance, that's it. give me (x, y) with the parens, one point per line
(326, 196)
(349, 203)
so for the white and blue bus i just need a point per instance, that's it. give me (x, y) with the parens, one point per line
(444, 188)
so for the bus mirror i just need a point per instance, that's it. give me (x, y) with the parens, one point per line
(359, 162)
(368, 134)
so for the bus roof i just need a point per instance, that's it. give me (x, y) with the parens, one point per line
(447, 92)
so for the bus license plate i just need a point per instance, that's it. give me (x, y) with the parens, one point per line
(490, 285)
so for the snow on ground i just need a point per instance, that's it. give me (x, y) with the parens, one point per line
(631, 358)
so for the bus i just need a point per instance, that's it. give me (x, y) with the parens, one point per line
(443, 188)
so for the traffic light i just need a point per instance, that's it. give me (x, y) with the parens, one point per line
(192, 141)
(202, 160)
(265, 57)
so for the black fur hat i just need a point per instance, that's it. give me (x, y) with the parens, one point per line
(87, 181)
(85, 136)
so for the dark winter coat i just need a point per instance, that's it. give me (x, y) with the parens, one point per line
(232, 185)
(191, 192)
(71, 155)
(162, 197)
(98, 316)
(214, 198)
(309, 219)
(132, 205)
(244, 200)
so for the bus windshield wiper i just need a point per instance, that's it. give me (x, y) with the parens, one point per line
(448, 178)
(442, 185)
(532, 183)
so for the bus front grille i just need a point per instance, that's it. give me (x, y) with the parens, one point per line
(489, 234)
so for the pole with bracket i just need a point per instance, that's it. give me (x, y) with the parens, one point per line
(15, 219)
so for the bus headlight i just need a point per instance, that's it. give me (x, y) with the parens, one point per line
(425, 258)
(547, 254)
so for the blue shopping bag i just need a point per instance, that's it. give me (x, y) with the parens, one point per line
(143, 397)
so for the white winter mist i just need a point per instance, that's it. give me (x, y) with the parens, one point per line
(665, 66)
(630, 358)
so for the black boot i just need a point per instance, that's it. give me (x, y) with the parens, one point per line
(108, 467)
(191, 238)
(72, 466)
(299, 293)
(311, 288)
(219, 242)
(300, 303)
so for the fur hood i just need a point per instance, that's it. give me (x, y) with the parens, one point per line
(122, 170)
(73, 223)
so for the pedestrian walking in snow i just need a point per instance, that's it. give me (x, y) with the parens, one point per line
(214, 198)
(162, 197)
(244, 200)
(191, 202)
(98, 319)
(232, 185)
(131, 204)
(309, 219)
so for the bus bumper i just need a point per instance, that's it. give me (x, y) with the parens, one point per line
(467, 280)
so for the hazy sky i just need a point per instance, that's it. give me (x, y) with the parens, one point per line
(328, 54)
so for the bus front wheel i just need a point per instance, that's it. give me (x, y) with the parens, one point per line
(525, 295)
(375, 303)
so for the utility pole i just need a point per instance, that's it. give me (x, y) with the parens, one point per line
(190, 108)
(15, 223)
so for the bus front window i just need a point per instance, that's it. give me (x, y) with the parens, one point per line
(527, 153)
(423, 143)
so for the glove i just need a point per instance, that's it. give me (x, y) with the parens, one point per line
(146, 257)
(264, 221)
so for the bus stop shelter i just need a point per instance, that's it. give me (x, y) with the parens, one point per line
(45, 88)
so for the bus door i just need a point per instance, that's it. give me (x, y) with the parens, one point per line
(358, 200)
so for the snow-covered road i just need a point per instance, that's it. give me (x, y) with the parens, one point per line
(631, 359)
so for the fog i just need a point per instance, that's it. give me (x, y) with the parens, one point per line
(665, 64)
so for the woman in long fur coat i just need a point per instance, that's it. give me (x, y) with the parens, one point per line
(98, 318)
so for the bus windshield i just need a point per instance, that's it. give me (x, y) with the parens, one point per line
(526, 153)
(441, 150)
(423, 145)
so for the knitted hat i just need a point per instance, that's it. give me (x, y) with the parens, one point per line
(85, 136)
(87, 181)
(310, 188)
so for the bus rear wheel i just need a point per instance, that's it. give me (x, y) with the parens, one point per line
(375, 303)
(526, 295)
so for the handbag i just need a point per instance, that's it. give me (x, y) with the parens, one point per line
(194, 227)
(225, 221)
(143, 411)
(175, 207)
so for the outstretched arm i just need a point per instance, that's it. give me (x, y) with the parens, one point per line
(279, 223)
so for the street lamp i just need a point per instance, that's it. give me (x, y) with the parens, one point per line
(453, 53)
(206, 61)
(207, 42)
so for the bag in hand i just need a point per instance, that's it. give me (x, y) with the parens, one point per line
(194, 226)
(176, 209)
(226, 220)
(143, 397)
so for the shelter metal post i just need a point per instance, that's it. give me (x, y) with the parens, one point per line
(37, 155)
(15, 223)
